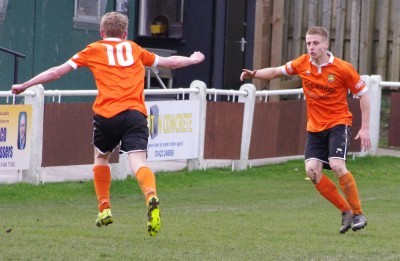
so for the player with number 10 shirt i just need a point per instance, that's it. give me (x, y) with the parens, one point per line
(109, 59)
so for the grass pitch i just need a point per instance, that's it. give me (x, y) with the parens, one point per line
(264, 213)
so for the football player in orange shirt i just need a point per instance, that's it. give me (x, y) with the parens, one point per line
(326, 81)
(118, 66)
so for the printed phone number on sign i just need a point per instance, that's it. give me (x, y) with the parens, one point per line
(163, 153)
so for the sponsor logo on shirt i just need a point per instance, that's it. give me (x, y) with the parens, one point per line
(313, 95)
(323, 88)
(360, 84)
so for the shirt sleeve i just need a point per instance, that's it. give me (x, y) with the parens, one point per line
(356, 84)
(156, 61)
(148, 58)
(73, 64)
(79, 59)
(293, 67)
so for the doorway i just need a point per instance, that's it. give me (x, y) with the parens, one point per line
(236, 43)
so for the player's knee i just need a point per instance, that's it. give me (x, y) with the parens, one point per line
(310, 170)
(338, 167)
(312, 167)
(101, 158)
(314, 171)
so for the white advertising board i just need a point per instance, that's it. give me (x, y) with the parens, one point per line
(15, 136)
(174, 130)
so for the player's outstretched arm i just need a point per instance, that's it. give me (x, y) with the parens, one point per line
(264, 74)
(177, 61)
(49, 75)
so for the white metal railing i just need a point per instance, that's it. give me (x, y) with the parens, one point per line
(210, 92)
(9, 93)
(80, 93)
(179, 91)
(389, 84)
(229, 93)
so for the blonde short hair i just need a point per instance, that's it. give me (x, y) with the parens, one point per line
(114, 24)
(319, 31)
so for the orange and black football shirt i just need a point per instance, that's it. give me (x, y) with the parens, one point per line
(326, 87)
(118, 69)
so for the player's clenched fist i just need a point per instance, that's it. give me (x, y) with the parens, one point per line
(17, 89)
(197, 56)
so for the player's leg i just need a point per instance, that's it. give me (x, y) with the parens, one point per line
(349, 188)
(325, 186)
(143, 174)
(339, 142)
(147, 183)
(316, 157)
(134, 142)
(105, 138)
(102, 184)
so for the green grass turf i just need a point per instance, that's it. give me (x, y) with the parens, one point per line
(264, 213)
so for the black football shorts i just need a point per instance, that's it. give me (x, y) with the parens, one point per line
(128, 129)
(332, 143)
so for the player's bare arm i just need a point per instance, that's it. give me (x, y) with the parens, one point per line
(363, 133)
(177, 61)
(49, 75)
(263, 74)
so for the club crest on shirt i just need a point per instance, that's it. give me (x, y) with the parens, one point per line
(331, 77)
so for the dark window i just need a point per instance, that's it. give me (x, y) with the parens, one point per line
(88, 14)
(3, 10)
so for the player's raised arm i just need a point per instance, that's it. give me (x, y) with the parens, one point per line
(49, 75)
(177, 61)
(263, 74)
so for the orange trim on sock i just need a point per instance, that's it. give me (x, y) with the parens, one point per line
(102, 184)
(328, 190)
(147, 182)
(349, 188)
